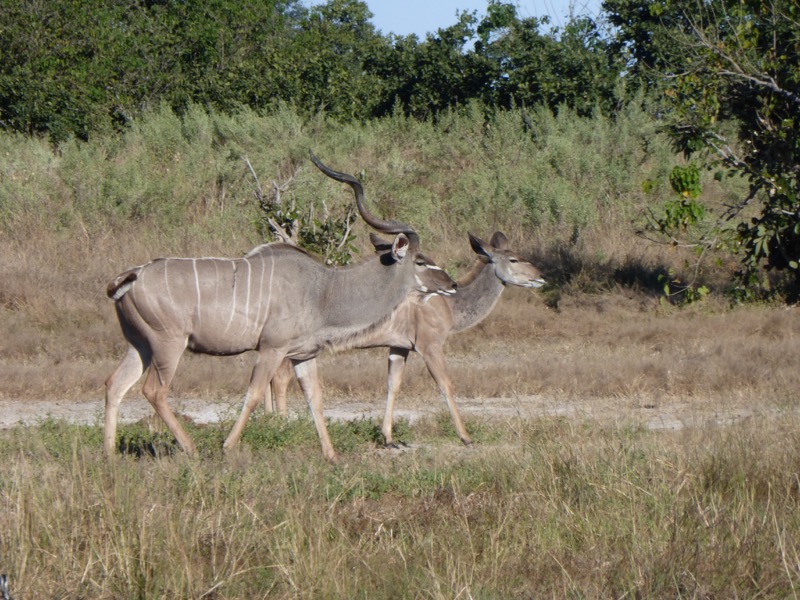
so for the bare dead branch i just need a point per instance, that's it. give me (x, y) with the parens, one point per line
(348, 225)
(257, 191)
(281, 233)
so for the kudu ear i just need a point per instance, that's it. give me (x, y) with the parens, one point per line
(380, 244)
(499, 240)
(400, 246)
(479, 246)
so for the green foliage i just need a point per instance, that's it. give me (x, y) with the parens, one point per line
(681, 214)
(683, 221)
(138, 440)
(330, 237)
(569, 66)
(57, 439)
(273, 432)
(512, 62)
(686, 181)
(734, 62)
(78, 69)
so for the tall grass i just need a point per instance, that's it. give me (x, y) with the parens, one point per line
(556, 509)
(524, 173)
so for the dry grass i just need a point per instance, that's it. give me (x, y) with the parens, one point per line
(555, 509)
(61, 339)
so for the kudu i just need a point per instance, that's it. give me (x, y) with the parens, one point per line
(277, 300)
(422, 324)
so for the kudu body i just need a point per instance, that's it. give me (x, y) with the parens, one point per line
(422, 324)
(276, 300)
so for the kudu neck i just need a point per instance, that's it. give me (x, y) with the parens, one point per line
(477, 295)
(367, 293)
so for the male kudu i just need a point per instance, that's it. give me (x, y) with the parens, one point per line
(277, 300)
(422, 324)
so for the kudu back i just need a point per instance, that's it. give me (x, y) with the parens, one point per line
(276, 300)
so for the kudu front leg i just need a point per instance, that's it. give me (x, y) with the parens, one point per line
(397, 363)
(306, 372)
(263, 371)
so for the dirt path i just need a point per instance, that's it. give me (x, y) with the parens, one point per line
(664, 416)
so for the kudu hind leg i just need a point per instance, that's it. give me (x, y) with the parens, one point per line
(397, 364)
(436, 367)
(308, 378)
(117, 385)
(278, 391)
(155, 388)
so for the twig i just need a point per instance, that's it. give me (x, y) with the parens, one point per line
(258, 191)
(4, 587)
(347, 224)
(281, 232)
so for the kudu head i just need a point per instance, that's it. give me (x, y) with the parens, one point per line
(510, 268)
(404, 247)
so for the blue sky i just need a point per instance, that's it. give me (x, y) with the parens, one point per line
(421, 16)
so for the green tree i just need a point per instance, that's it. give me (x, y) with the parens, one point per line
(427, 77)
(330, 65)
(572, 65)
(504, 62)
(72, 67)
(737, 63)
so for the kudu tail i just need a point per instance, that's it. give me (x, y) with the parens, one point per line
(118, 286)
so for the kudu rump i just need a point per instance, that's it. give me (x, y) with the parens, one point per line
(277, 300)
(423, 324)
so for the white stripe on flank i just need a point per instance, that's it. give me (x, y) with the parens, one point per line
(269, 287)
(233, 290)
(247, 304)
(166, 282)
(196, 287)
(260, 298)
